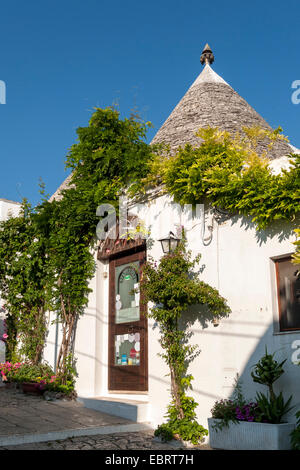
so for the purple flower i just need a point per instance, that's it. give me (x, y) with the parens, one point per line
(246, 412)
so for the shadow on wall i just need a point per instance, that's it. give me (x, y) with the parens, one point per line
(285, 346)
(251, 348)
(279, 229)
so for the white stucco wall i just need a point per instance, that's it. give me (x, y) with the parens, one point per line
(91, 340)
(7, 209)
(237, 261)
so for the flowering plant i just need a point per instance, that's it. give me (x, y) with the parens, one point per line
(247, 412)
(232, 410)
(9, 371)
(41, 374)
(265, 409)
(25, 372)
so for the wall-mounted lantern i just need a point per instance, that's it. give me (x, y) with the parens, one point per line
(169, 244)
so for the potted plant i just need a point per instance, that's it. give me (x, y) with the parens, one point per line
(256, 425)
(37, 378)
(32, 378)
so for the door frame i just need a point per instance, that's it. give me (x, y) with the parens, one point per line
(142, 324)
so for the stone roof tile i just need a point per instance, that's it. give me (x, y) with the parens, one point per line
(210, 101)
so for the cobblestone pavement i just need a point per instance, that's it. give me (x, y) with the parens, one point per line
(121, 441)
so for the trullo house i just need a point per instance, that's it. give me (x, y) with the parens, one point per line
(117, 348)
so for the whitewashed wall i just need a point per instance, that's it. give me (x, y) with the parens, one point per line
(7, 209)
(91, 340)
(236, 261)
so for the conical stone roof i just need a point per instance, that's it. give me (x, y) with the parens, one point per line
(210, 101)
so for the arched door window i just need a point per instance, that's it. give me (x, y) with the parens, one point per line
(127, 295)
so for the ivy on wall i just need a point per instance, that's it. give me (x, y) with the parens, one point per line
(172, 286)
(23, 278)
(229, 172)
(296, 256)
(46, 254)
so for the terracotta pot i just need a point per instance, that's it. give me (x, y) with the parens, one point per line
(32, 388)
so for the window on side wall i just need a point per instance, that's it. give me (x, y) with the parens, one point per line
(288, 293)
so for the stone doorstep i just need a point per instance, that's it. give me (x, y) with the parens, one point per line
(133, 410)
(69, 433)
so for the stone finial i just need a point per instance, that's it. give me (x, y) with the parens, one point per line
(207, 56)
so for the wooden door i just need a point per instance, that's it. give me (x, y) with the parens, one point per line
(128, 347)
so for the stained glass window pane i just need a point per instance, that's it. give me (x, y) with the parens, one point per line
(127, 293)
(127, 349)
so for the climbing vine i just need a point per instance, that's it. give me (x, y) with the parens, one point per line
(296, 256)
(23, 278)
(47, 252)
(229, 172)
(173, 286)
(110, 155)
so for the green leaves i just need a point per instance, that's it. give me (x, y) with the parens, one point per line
(296, 257)
(267, 370)
(187, 428)
(46, 259)
(23, 274)
(272, 410)
(295, 435)
(172, 286)
(231, 175)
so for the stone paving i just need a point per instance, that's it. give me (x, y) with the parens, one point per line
(27, 415)
(24, 414)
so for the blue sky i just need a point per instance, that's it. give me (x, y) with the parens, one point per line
(59, 59)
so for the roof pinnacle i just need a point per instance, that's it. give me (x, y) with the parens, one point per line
(207, 56)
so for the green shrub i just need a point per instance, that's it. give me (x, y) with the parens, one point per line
(64, 383)
(226, 411)
(173, 286)
(43, 374)
(272, 410)
(35, 373)
(269, 408)
(273, 407)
